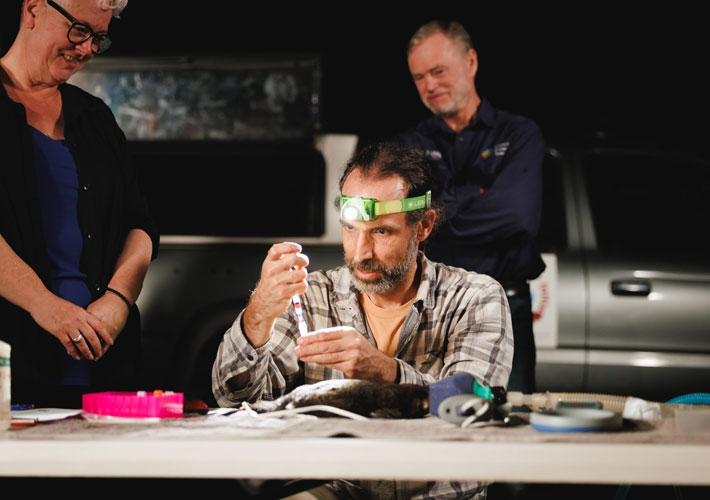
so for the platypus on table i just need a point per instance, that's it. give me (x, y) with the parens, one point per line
(372, 399)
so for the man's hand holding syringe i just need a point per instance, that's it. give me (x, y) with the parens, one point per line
(283, 277)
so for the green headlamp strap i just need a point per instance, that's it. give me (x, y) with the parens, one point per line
(368, 209)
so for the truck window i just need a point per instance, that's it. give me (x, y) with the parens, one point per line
(224, 189)
(649, 205)
(552, 236)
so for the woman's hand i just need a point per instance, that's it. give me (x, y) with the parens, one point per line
(108, 315)
(70, 324)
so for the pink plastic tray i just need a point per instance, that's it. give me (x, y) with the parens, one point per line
(157, 404)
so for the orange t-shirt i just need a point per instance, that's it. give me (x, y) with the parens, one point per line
(385, 324)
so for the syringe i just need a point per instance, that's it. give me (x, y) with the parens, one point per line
(302, 327)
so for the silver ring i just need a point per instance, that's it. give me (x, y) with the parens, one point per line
(78, 339)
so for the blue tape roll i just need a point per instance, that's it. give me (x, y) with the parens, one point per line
(576, 420)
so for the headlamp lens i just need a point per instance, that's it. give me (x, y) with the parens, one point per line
(368, 209)
(356, 208)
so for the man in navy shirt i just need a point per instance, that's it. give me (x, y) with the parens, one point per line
(490, 167)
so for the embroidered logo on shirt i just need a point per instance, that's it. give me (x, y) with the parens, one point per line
(498, 150)
(433, 154)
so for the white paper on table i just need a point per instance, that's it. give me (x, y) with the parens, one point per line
(44, 414)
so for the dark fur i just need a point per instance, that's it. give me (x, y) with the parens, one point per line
(368, 399)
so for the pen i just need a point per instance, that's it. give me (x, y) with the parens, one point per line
(22, 407)
(302, 327)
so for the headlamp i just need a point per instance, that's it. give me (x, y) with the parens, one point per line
(368, 209)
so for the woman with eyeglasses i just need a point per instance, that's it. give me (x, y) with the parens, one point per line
(76, 238)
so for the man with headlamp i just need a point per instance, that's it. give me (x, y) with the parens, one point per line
(388, 315)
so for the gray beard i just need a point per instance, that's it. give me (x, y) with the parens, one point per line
(389, 277)
(445, 113)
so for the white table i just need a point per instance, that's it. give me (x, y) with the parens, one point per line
(361, 459)
(508, 455)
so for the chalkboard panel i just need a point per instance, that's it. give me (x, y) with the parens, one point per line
(177, 99)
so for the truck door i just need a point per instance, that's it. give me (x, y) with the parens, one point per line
(559, 293)
(648, 270)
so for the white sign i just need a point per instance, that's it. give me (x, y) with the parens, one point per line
(544, 303)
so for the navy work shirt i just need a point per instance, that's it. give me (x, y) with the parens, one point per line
(491, 184)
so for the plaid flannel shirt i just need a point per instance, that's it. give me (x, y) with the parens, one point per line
(458, 322)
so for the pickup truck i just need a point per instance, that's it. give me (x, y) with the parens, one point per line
(622, 308)
(629, 276)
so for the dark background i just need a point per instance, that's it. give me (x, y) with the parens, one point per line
(637, 73)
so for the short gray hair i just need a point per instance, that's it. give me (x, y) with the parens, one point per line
(453, 30)
(116, 6)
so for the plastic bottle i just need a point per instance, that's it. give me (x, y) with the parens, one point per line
(4, 385)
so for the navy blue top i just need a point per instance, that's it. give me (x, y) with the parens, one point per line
(59, 194)
(491, 184)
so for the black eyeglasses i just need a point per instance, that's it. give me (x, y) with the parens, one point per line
(80, 32)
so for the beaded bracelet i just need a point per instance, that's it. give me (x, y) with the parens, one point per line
(123, 297)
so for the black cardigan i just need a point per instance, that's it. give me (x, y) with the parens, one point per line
(110, 205)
